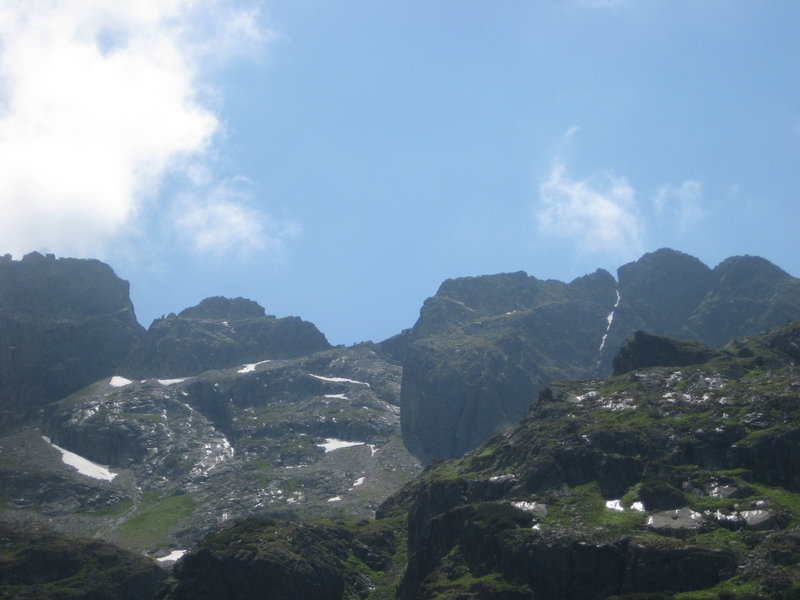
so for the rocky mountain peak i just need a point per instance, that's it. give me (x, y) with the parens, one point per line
(220, 308)
(219, 333)
(64, 323)
(662, 289)
(483, 346)
(50, 289)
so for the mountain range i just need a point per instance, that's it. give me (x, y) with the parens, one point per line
(251, 442)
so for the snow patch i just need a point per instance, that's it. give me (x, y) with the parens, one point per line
(117, 381)
(637, 506)
(173, 382)
(373, 449)
(335, 499)
(172, 556)
(609, 318)
(337, 396)
(251, 367)
(84, 466)
(614, 505)
(332, 444)
(338, 380)
(358, 482)
(536, 507)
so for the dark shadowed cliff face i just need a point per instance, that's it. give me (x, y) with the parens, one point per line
(217, 334)
(671, 293)
(63, 325)
(483, 346)
(649, 350)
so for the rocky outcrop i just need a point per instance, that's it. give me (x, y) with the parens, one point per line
(484, 346)
(64, 324)
(42, 564)
(276, 560)
(649, 350)
(219, 333)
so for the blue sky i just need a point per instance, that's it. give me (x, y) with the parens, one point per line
(339, 160)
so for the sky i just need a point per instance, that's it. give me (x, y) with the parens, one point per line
(339, 160)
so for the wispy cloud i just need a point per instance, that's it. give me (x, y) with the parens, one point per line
(98, 101)
(598, 214)
(225, 223)
(683, 203)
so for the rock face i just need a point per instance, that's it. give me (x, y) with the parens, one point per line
(657, 481)
(670, 293)
(483, 347)
(217, 334)
(649, 350)
(64, 324)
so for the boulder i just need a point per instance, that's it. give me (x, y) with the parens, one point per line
(759, 520)
(680, 523)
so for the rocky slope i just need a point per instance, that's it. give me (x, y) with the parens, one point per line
(317, 435)
(658, 481)
(483, 346)
(63, 324)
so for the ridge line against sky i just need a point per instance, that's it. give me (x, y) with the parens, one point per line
(339, 162)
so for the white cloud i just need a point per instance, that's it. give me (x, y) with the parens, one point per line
(224, 223)
(599, 215)
(683, 203)
(100, 99)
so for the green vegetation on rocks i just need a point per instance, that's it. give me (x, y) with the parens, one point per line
(664, 481)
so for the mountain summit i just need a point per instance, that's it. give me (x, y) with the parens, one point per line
(64, 323)
(483, 346)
